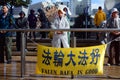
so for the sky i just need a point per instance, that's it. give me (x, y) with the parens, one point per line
(95, 3)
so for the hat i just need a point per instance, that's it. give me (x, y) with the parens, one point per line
(22, 12)
(115, 10)
(64, 6)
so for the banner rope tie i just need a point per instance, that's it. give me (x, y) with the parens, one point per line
(105, 43)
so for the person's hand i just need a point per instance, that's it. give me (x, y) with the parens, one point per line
(2, 31)
(116, 33)
(59, 32)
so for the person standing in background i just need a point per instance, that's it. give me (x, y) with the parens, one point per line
(45, 24)
(22, 23)
(114, 22)
(6, 21)
(32, 23)
(100, 16)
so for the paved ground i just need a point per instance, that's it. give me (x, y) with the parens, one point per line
(13, 72)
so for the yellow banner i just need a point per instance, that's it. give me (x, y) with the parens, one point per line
(70, 61)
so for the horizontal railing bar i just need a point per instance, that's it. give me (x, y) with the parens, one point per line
(72, 30)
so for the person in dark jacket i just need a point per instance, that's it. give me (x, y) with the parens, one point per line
(22, 23)
(32, 23)
(6, 20)
(45, 24)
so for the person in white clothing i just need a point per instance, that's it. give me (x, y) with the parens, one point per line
(60, 38)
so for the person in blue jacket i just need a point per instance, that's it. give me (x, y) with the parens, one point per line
(6, 20)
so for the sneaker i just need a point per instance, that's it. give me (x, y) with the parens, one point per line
(26, 50)
(9, 62)
(108, 64)
(102, 42)
(1, 61)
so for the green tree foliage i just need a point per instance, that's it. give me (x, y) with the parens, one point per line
(16, 2)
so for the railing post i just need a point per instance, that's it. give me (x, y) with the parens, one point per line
(73, 40)
(23, 54)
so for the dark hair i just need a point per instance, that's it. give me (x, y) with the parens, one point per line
(40, 11)
(47, 8)
(65, 9)
(62, 3)
(31, 11)
(22, 12)
(100, 8)
(7, 5)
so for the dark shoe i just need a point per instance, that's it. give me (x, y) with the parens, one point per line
(9, 62)
(18, 50)
(109, 64)
(34, 39)
(1, 61)
(117, 64)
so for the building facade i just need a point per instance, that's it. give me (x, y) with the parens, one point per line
(80, 7)
(76, 7)
(17, 10)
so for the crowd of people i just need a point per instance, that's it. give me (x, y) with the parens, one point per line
(55, 17)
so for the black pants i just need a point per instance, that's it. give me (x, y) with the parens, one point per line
(45, 25)
(32, 33)
(116, 45)
(18, 40)
(97, 34)
(43, 34)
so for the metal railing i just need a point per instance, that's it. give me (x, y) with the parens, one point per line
(47, 30)
(71, 30)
